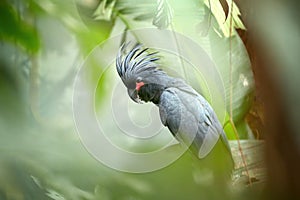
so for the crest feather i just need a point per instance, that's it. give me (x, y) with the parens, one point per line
(136, 61)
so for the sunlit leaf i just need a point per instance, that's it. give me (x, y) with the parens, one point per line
(104, 10)
(223, 18)
(163, 14)
(225, 7)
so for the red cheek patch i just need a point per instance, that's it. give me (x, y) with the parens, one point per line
(139, 85)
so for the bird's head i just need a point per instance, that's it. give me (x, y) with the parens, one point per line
(139, 72)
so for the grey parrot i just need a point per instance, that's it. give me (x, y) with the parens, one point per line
(186, 113)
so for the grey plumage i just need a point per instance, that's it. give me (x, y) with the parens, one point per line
(189, 117)
(137, 63)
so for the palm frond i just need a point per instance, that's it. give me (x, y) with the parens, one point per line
(164, 14)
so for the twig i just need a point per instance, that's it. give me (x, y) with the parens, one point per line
(179, 51)
(231, 96)
(127, 26)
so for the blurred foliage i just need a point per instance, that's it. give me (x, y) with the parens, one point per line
(41, 156)
(17, 30)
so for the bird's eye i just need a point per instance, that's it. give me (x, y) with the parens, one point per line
(139, 79)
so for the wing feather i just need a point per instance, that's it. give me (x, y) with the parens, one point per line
(191, 119)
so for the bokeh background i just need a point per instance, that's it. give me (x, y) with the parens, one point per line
(253, 45)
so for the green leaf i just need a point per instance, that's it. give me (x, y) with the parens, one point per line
(66, 11)
(138, 10)
(223, 19)
(163, 15)
(242, 78)
(16, 30)
(143, 17)
(242, 128)
(225, 7)
(104, 10)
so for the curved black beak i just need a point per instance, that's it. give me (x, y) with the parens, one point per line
(134, 95)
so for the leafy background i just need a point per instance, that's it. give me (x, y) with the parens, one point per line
(43, 43)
